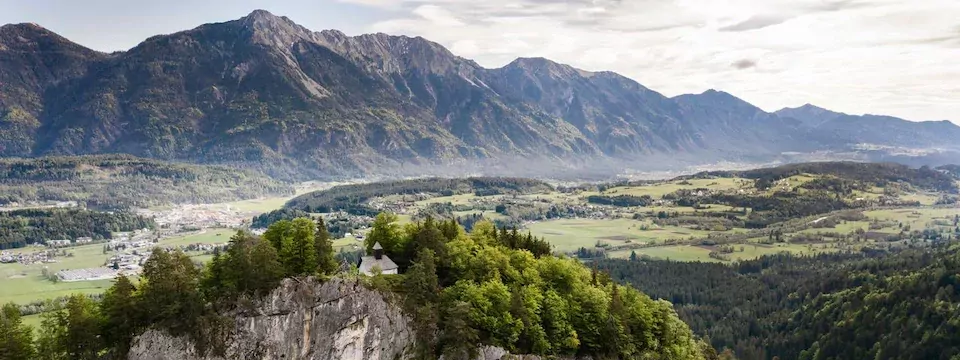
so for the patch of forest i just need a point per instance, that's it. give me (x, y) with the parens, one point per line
(780, 206)
(19, 228)
(352, 198)
(124, 181)
(879, 174)
(620, 200)
(901, 305)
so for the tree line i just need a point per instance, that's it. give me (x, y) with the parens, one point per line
(621, 200)
(19, 228)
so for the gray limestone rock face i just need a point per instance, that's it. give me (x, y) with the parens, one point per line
(339, 319)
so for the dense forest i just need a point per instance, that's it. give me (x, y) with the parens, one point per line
(124, 181)
(902, 305)
(492, 286)
(879, 174)
(20, 228)
(352, 198)
(264, 220)
(620, 200)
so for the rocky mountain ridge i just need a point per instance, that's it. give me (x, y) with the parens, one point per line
(267, 93)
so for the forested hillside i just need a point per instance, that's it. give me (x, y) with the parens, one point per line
(879, 174)
(840, 306)
(19, 228)
(352, 198)
(123, 181)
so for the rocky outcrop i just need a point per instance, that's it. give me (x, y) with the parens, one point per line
(339, 319)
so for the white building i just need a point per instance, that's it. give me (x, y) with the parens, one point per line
(379, 261)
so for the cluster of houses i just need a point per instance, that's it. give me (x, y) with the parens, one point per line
(128, 260)
(65, 242)
(197, 217)
(42, 257)
(87, 274)
(39, 205)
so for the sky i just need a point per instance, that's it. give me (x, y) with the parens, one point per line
(890, 57)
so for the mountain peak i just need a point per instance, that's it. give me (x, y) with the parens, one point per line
(26, 25)
(25, 31)
(269, 29)
(260, 16)
(806, 109)
(716, 93)
(809, 114)
(31, 37)
(809, 106)
(540, 65)
(718, 97)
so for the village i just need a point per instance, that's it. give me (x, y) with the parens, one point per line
(123, 254)
(195, 217)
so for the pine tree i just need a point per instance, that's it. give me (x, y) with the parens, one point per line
(458, 340)
(326, 263)
(298, 253)
(71, 332)
(15, 337)
(170, 295)
(422, 300)
(250, 267)
(120, 313)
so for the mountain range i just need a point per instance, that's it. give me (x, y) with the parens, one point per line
(264, 92)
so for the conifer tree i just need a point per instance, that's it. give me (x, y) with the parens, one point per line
(120, 314)
(15, 337)
(326, 263)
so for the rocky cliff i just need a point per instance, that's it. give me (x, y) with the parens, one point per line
(336, 320)
(339, 319)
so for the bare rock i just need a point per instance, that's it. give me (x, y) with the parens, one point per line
(339, 319)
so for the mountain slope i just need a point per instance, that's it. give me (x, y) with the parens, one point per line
(32, 61)
(267, 93)
(836, 127)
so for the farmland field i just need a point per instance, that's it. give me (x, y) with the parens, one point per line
(701, 253)
(677, 253)
(206, 236)
(571, 234)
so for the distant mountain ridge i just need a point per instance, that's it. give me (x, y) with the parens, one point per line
(267, 93)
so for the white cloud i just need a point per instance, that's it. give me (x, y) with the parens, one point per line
(896, 57)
